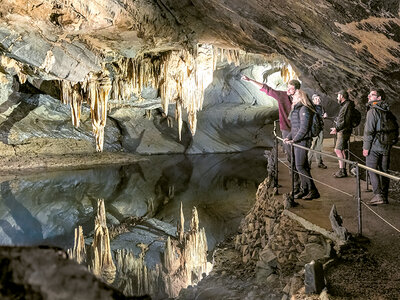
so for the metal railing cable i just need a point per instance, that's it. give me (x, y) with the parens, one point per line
(357, 167)
(316, 180)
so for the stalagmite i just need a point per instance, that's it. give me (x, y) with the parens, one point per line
(78, 252)
(102, 263)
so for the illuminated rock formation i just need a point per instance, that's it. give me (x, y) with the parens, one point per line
(78, 253)
(102, 264)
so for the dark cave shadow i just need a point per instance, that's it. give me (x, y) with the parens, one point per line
(30, 228)
(20, 112)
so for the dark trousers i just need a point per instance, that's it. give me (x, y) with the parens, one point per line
(302, 166)
(288, 151)
(379, 161)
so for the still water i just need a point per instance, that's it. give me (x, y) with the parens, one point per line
(45, 208)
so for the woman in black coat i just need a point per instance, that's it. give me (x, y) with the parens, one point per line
(301, 118)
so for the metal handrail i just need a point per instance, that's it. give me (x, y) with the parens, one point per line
(354, 163)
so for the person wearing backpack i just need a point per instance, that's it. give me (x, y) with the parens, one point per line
(343, 128)
(318, 139)
(381, 132)
(301, 118)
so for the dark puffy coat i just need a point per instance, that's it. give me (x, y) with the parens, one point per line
(301, 118)
(370, 142)
(343, 120)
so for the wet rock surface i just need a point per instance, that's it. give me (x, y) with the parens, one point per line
(47, 273)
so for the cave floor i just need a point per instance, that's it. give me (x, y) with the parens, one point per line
(361, 275)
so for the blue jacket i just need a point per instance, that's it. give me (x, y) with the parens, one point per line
(301, 118)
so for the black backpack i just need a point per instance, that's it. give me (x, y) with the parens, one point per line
(317, 124)
(355, 117)
(388, 128)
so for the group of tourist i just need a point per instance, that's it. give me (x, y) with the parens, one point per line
(296, 112)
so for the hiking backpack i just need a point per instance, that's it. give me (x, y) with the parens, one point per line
(355, 117)
(317, 124)
(388, 128)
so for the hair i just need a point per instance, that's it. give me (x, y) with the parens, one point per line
(305, 100)
(295, 83)
(381, 93)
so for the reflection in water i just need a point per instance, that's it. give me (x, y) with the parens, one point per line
(45, 209)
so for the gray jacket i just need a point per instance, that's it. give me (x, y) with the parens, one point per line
(370, 140)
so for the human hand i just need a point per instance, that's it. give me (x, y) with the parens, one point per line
(365, 152)
(245, 78)
(325, 115)
(333, 131)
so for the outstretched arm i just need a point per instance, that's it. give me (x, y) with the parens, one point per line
(256, 83)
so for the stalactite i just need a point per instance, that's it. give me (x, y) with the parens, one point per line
(287, 73)
(102, 263)
(72, 95)
(98, 93)
(78, 252)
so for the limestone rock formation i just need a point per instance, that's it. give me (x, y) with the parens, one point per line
(328, 45)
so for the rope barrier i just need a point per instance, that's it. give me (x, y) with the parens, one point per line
(374, 212)
(332, 187)
(352, 163)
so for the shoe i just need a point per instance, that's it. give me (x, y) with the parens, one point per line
(322, 166)
(312, 195)
(300, 194)
(340, 174)
(377, 200)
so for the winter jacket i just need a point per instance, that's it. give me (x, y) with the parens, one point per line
(343, 120)
(320, 110)
(284, 105)
(301, 119)
(370, 140)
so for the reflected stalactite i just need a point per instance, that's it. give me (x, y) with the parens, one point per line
(184, 259)
(78, 252)
(102, 264)
(134, 276)
(184, 262)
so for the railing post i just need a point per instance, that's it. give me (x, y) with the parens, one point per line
(367, 181)
(358, 196)
(276, 165)
(292, 166)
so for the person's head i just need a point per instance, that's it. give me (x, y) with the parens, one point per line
(316, 99)
(376, 94)
(342, 96)
(301, 96)
(293, 86)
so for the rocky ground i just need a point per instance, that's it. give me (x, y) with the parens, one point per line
(355, 270)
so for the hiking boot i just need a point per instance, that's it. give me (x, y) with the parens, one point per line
(340, 174)
(312, 195)
(322, 166)
(300, 194)
(377, 200)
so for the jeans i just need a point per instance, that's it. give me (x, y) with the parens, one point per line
(379, 161)
(301, 159)
(316, 145)
(287, 149)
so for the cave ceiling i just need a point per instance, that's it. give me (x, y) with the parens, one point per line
(331, 44)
